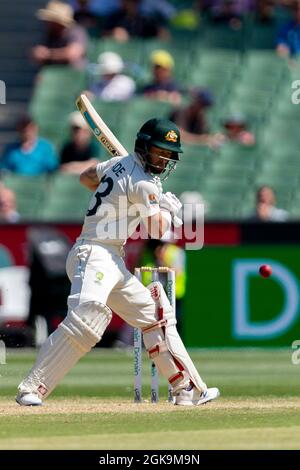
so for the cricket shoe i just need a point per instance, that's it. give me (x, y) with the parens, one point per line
(28, 399)
(192, 397)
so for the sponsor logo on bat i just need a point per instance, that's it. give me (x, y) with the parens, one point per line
(79, 105)
(108, 145)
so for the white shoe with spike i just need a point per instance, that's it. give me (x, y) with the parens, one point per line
(193, 397)
(28, 399)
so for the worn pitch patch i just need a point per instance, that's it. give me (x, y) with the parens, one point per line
(97, 405)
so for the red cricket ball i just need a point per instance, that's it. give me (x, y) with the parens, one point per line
(265, 270)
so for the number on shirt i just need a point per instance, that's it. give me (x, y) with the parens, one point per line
(101, 194)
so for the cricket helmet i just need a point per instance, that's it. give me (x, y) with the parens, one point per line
(160, 133)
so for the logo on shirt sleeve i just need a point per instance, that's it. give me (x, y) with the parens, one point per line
(152, 199)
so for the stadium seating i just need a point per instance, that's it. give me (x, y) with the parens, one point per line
(66, 199)
(239, 66)
(18, 33)
(52, 102)
(31, 193)
(130, 51)
(140, 110)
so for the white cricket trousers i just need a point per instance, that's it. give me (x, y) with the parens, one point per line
(98, 273)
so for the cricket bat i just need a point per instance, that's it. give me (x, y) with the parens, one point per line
(100, 130)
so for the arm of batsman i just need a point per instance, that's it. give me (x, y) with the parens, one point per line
(171, 203)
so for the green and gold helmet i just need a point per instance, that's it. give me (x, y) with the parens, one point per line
(160, 133)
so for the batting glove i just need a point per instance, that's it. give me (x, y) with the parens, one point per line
(171, 203)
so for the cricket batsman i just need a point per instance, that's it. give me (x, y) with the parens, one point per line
(126, 192)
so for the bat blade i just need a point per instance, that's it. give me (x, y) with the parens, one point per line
(100, 130)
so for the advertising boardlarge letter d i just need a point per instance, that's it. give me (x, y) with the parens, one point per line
(243, 327)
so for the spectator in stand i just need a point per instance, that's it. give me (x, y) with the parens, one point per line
(107, 7)
(86, 15)
(81, 151)
(236, 130)
(95, 7)
(226, 10)
(8, 209)
(30, 155)
(162, 8)
(129, 22)
(266, 210)
(65, 41)
(114, 85)
(288, 38)
(192, 120)
(265, 10)
(163, 86)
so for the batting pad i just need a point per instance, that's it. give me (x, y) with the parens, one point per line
(76, 335)
(177, 349)
(165, 346)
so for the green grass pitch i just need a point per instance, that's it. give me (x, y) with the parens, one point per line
(93, 408)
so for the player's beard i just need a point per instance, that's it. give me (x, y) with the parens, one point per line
(153, 169)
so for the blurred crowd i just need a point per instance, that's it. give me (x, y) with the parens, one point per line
(68, 26)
